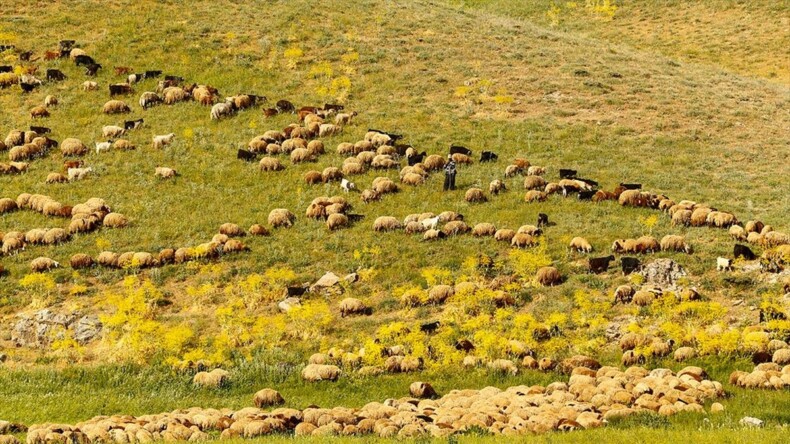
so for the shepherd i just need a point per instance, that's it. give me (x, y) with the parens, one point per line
(449, 174)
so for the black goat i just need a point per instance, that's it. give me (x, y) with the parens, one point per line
(92, 69)
(245, 155)
(743, 251)
(132, 124)
(40, 130)
(152, 74)
(430, 327)
(458, 149)
(55, 75)
(600, 264)
(631, 186)
(84, 60)
(567, 174)
(488, 156)
(629, 264)
(415, 159)
(284, 106)
(543, 219)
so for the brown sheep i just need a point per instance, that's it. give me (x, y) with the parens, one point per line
(231, 230)
(271, 164)
(534, 183)
(535, 195)
(754, 226)
(267, 398)
(123, 145)
(281, 217)
(462, 159)
(522, 240)
(336, 221)
(496, 187)
(455, 227)
(313, 177)
(39, 112)
(548, 276)
(73, 147)
(80, 261)
(422, 390)
(624, 294)
(386, 223)
(475, 195)
(672, 242)
(647, 244)
(483, 229)
(368, 196)
(352, 306)
(504, 235)
(115, 107)
(331, 174)
(258, 230)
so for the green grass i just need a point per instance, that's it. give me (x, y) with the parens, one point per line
(692, 130)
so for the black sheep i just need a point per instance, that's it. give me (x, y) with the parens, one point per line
(430, 327)
(458, 149)
(55, 75)
(743, 251)
(488, 156)
(543, 219)
(629, 264)
(84, 60)
(600, 264)
(248, 156)
(567, 174)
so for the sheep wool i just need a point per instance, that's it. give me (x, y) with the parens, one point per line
(475, 195)
(115, 107)
(484, 229)
(73, 147)
(41, 264)
(319, 372)
(548, 276)
(231, 230)
(281, 217)
(386, 223)
(267, 397)
(115, 220)
(504, 234)
(351, 306)
(213, 379)
(336, 221)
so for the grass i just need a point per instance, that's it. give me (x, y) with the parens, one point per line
(608, 98)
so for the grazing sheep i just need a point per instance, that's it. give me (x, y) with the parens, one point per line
(165, 172)
(455, 228)
(267, 398)
(754, 226)
(720, 219)
(107, 259)
(41, 264)
(115, 220)
(647, 244)
(684, 354)
(73, 147)
(534, 183)
(258, 230)
(434, 162)
(672, 242)
(281, 217)
(79, 173)
(231, 230)
(222, 110)
(430, 235)
(39, 112)
(233, 246)
(548, 276)
(213, 379)
(336, 220)
(484, 229)
(89, 85)
(313, 177)
(624, 294)
(384, 185)
(475, 195)
(536, 171)
(56, 178)
(112, 131)
(512, 170)
(737, 232)
(352, 306)
(775, 238)
(344, 118)
(331, 174)
(386, 223)
(7, 205)
(422, 390)
(504, 366)
(318, 372)
(115, 107)
(80, 261)
(699, 217)
(580, 245)
(149, 99)
(123, 145)
(368, 196)
(328, 129)
(532, 230)
(55, 236)
(496, 187)
(160, 142)
(631, 358)
(504, 235)
(270, 164)
(682, 217)
(522, 240)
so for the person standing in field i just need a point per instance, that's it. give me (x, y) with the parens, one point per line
(449, 174)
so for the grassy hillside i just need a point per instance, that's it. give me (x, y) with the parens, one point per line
(618, 100)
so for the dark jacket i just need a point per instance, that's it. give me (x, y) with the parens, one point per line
(449, 167)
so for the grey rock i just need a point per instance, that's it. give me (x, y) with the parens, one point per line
(749, 421)
(87, 329)
(663, 272)
(288, 304)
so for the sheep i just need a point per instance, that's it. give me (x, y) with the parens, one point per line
(580, 245)
(41, 264)
(754, 226)
(115, 107)
(112, 131)
(534, 183)
(336, 221)
(270, 164)
(624, 294)
(475, 195)
(631, 358)
(432, 234)
(103, 146)
(267, 398)
(174, 94)
(532, 230)
(233, 246)
(75, 174)
(496, 186)
(415, 179)
(165, 172)
(149, 99)
(222, 110)
(548, 276)
(775, 239)
(123, 145)
(512, 170)
(299, 155)
(720, 219)
(56, 178)
(682, 217)
(484, 229)
(80, 261)
(386, 223)
(160, 142)
(7, 205)
(672, 242)
(115, 220)
(331, 174)
(434, 162)
(368, 196)
(213, 379)
(504, 366)
(344, 118)
(422, 390)
(737, 232)
(504, 235)
(647, 244)
(318, 372)
(383, 185)
(455, 228)
(328, 129)
(281, 217)
(522, 240)
(55, 236)
(39, 112)
(231, 230)
(90, 85)
(699, 217)
(352, 306)
(73, 147)
(684, 354)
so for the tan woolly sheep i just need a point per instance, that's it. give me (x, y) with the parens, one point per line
(643, 298)
(580, 244)
(231, 230)
(504, 235)
(522, 240)
(754, 226)
(496, 187)
(682, 217)
(535, 195)
(673, 242)
(318, 372)
(352, 306)
(699, 217)
(737, 232)
(331, 174)
(386, 223)
(233, 246)
(123, 145)
(624, 294)
(270, 164)
(258, 230)
(41, 264)
(548, 276)
(7, 205)
(434, 162)
(55, 236)
(115, 220)
(115, 107)
(432, 234)
(455, 227)
(484, 229)
(421, 390)
(165, 172)
(534, 183)
(475, 195)
(39, 112)
(73, 147)
(505, 366)
(281, 217)
(107, 259)
(383, 185)
(336, 221)
(213, 379)
(267, 398)
(684, 354)
(647, 244)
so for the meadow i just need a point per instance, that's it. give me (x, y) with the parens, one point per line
(679, 97)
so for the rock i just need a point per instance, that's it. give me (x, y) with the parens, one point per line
(87, 329)
(663, 272)
(289, 303)
(749, 421)
(329, 283)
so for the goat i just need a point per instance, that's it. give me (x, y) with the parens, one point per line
(488, 156)
(600, 264)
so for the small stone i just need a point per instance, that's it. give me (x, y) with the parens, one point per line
(288, 304)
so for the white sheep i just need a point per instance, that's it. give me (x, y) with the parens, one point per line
(221, 110)
(103, 146)
(161, 141)
(430, 223)
(112, 131)
(723, 264)
(79, 173)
